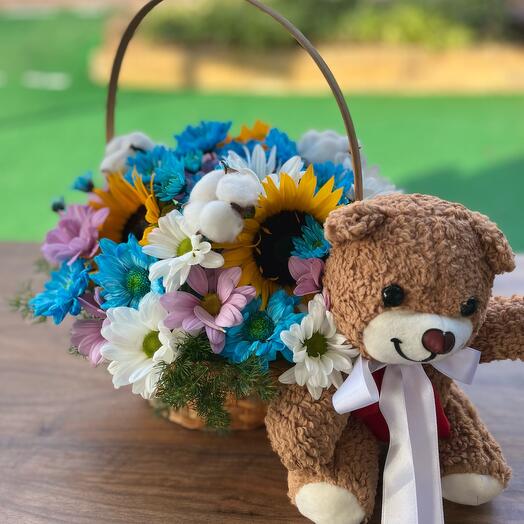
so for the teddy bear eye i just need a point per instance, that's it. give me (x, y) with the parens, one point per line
(469, 307)
(392, 295)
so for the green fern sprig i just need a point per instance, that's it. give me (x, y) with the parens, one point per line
(203, 380)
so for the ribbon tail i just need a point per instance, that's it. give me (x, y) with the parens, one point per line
(412, 492)
(422, 422)
(399, 494)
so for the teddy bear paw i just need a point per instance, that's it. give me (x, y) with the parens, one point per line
(325, 503)
(470, 489)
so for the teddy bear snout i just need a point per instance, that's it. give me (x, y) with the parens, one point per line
(438, 341)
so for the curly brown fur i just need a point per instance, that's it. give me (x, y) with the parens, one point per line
(501, 336)
(471, 448)
(354, 466)
(439, 252)
(302, 431)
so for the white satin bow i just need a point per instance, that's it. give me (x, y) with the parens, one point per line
(412, 492)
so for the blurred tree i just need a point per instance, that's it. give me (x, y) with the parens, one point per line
(428, 22)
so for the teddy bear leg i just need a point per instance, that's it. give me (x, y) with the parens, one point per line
(472, 466)
(342, 492)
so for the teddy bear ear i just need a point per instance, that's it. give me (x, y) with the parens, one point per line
(353, 222)
(496, 247)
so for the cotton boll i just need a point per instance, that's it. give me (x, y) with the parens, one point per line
(120, 148)
(220, 222)
(192, 212)
(242, 189)
(307, 140)
(205, 189)
(317, 146)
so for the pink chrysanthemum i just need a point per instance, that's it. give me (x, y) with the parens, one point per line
(85, 333)
(307, 272)
(218, 305)
(76, 234)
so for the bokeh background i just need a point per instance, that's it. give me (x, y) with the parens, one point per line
(436, 88)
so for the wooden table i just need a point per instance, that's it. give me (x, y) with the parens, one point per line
(73, 450)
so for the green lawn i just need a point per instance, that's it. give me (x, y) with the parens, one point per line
(468, 149)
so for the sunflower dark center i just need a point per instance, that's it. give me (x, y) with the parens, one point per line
(136, 224)
(276, 244)
(316, 346)
(259, 326)
(137, 281)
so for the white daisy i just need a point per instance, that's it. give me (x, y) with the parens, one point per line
(178, 246)
(257, 162)
(319, 352)
(137, 341)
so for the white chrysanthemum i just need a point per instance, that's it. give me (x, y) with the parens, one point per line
(178, 246)
(263, 166)
(137, 341)
(319, 352)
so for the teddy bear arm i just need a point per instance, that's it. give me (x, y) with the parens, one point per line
(303, 431)
(473, 467)
(501, 337)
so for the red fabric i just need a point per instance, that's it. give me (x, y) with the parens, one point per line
(375, 421)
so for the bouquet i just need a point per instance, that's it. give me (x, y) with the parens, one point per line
(195, 273)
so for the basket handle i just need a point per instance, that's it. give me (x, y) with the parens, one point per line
(293, 31)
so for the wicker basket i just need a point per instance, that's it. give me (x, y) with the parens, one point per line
(246, 413)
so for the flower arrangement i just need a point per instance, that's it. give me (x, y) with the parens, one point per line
(195, 272)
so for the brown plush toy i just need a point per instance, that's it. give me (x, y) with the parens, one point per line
(410, 279)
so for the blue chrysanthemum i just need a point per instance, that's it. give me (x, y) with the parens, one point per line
(167, 167)
(311, 243)
(170, 179)
(259, 333)
(193, 160)
(286, 148)
(324, 171)
(60, 295)
(145, 163)
(123, 273)
(203, 137)
(84, 183)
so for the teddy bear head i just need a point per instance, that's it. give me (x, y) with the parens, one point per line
(410, 276)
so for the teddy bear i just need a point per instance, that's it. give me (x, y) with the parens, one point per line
(409, 278)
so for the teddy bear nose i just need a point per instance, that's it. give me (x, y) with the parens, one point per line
(436, 341)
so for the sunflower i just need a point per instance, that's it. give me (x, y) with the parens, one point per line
(264, 246)
(132, 208)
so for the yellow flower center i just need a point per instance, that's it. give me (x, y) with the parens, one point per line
(184, 247)
(151, 344)
(316, 346)
(211, 303)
